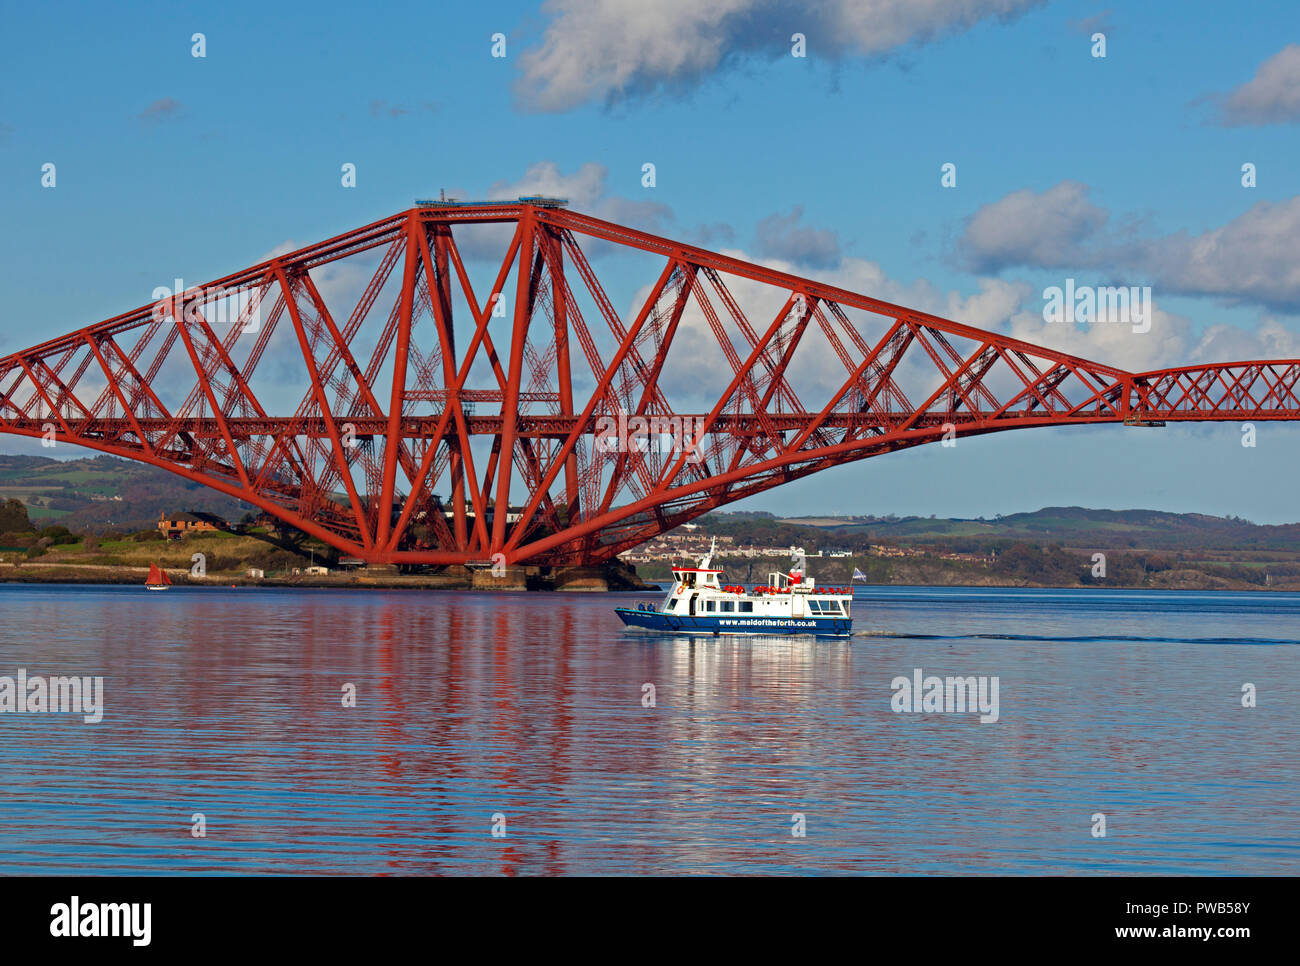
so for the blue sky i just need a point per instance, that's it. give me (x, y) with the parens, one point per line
(174, 166)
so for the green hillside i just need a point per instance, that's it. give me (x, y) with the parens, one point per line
(105, 493)
(1072, 526)
(1054, 546)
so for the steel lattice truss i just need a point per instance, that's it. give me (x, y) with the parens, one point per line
(393, 453)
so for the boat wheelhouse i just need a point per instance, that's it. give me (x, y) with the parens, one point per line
(700, 599)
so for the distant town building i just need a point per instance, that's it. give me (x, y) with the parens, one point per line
(262, 519)
(175, 525)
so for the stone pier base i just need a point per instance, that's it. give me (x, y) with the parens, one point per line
(581, 579)
(378, 572)
(512, 578)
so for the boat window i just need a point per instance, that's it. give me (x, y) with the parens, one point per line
(708, 605)
(815, 605)
(747, 607)
(830, 607)
(728, 606)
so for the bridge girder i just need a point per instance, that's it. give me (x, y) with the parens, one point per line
(389, 399)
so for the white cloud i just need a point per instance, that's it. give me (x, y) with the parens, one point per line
(1171, 341)
(606, 50)
(1251, 259)
(1046, 229)
(1227, 343)
(1163, 346)
(781, 236)
(586, 192)
(1271, 97)
(583, 187)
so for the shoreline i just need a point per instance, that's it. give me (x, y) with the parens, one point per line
(585, 582)
(577, 580)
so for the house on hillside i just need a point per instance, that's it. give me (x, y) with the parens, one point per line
(175, 525)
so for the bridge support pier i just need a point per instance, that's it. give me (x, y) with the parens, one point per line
(508, 578)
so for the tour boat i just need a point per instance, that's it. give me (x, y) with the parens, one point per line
(790, 603)
(157, 579)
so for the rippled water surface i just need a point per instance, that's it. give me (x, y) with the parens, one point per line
(530, 707)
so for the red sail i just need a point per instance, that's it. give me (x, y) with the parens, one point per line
(157, 576)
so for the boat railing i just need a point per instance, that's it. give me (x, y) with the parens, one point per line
(782, 582)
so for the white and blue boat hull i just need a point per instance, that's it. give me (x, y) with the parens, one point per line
(734, 624)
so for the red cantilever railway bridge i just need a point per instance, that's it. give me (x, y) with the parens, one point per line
(391, 411)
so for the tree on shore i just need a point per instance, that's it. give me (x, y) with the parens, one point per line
(13, 516)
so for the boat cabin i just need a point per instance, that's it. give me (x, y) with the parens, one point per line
(789, 602)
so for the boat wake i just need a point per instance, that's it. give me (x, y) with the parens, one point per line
(1090, 639)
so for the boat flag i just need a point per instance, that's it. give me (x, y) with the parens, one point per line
(858, 574)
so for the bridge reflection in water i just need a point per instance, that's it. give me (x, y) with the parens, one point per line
(229, 703)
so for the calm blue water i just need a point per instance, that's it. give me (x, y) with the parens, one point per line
(227, 703)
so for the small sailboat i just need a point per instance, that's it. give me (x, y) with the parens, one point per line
(157, 579)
